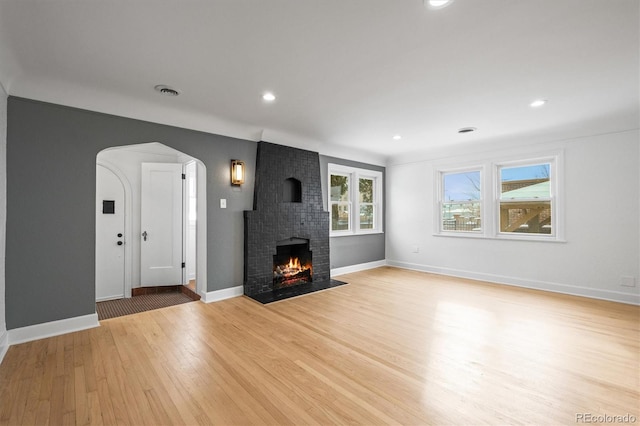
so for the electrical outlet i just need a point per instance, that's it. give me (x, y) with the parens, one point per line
(627, 281)
(415, 249)
(223, 203)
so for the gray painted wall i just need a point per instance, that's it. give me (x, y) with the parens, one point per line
(3, 208)
(353, 249)
(51, 162)
(50, 240)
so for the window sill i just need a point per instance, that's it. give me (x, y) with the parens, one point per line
(355, 234)
(501, 237)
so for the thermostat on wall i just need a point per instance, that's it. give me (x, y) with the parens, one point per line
(108, 207)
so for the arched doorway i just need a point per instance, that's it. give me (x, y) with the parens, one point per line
(124, 164)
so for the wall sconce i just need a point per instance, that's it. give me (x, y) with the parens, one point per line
(237, 172)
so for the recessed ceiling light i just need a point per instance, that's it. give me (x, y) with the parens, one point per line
(269, 97)
(538, 103)
(397, 137)
(166, 90)
(467, 130)
(437, 4)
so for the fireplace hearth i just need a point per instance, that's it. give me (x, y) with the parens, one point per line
(287, 232)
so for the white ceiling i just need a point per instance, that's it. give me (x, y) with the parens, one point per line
(348, 74)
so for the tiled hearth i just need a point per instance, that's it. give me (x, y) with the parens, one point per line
(287, 211)
(297, 290)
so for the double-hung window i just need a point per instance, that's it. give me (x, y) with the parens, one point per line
(355, 200)
(526, 195)
(461, 201)
(525, 203)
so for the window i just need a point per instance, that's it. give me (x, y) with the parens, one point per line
(525, 202)
(525, 194)
(461, 201)
(355, 200)
(367, 206)
(340, 202)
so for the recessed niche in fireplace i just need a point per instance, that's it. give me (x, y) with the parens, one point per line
(292, 263)
(292, 191)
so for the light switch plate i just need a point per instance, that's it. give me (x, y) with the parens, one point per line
(223, 203)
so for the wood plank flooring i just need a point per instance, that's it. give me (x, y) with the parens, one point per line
(392, 347)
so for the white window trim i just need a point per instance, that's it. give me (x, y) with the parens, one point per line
(490, 198)
(355, 174)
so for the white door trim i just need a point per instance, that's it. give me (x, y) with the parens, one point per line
(201, 228)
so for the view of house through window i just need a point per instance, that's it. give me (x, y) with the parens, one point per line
(516, 199)
(461, 201)
(525, 199)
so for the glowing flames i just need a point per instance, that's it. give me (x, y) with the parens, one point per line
(292, 272)
(294, 264)
(291, 268)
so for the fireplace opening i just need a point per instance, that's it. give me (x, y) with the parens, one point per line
(292, 263)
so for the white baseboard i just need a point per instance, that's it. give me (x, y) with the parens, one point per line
(4, 344)
(104, 299)
(357, 268)
(225, 293)
(53, 328)
(593, 293)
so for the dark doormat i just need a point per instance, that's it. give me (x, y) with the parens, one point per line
(136, 304)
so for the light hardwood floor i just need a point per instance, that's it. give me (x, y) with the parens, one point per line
(393, 346)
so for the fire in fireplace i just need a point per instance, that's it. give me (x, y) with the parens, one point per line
(291, 273)
(292, 264)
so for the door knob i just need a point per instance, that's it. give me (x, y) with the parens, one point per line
(144, 235)
(119, 235)
(120, 243)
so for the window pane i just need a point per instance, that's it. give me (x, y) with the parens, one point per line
(461, 216)
(525, 205)
(366, 190)
(461, 186)
(340, 217)
(366, 216)
(339, 188)
(530, 217)
(525, 182)
(461, 207)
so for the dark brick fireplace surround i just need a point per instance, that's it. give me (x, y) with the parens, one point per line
(287, 209)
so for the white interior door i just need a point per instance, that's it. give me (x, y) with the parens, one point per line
(109, 235)
(161, 224)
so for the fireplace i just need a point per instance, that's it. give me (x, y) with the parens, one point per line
(292, 263)
(288, 222)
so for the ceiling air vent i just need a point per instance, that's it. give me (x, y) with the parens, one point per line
(166, 90)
